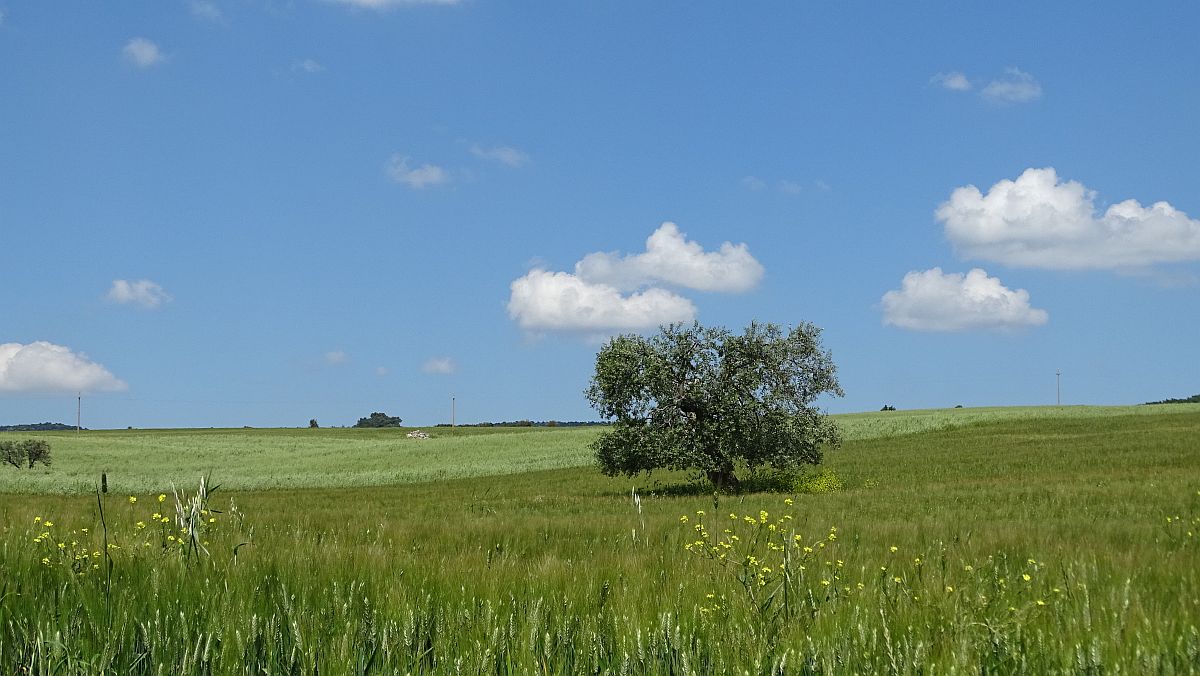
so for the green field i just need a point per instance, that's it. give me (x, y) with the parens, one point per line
(138, 461)
(1026, 541)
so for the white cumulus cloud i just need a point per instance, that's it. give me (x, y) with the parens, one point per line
(143, 293)
(559, 301)
(142, 53)
(954, 81)
(45, 367)
(439, 365)
(671, 259)
(1041, 221)
(506, 155)
(937, 301)
(417, 178)
(336, 357)
(1015, 86)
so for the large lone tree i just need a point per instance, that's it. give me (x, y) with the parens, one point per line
(696, 398)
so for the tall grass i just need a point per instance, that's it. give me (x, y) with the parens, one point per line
(562, 571)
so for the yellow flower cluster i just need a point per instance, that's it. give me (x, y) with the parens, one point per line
(79, 550)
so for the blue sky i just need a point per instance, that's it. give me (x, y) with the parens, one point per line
(256, 212)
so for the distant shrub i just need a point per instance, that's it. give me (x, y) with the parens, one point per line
(821, 481)
(312, 424)
(25, 453)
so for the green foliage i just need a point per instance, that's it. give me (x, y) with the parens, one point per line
(378, 420)
(705, 399)
(25, 453)
(818, 482)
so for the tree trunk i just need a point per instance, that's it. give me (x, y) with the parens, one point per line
(723, 478)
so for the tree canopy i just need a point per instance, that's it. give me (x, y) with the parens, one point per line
(378, 420)
(705, 399)
(25, 453)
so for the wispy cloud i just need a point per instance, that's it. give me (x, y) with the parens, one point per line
(308, 66)
(142, 293)
(142, 53)
(417, 178)
(336, 357)
(753, 183)
(380, 5)
(204, 9)
(954, 81)
(790, 187)
(439, 366)
(506, 155)
(1015, 86)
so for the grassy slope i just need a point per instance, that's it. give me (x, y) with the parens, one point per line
(256, 459)
(1086, 497)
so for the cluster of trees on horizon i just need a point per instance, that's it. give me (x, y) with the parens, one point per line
(1194, 399)
(38, 427)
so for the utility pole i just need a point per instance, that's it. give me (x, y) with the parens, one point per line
(1058, 386)
(78, 410)
(452, 411)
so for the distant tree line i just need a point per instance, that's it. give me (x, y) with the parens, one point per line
(37, 427)
(1194, 399)
(530, 423)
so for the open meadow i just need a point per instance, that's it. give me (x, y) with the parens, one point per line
(1031, 540)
